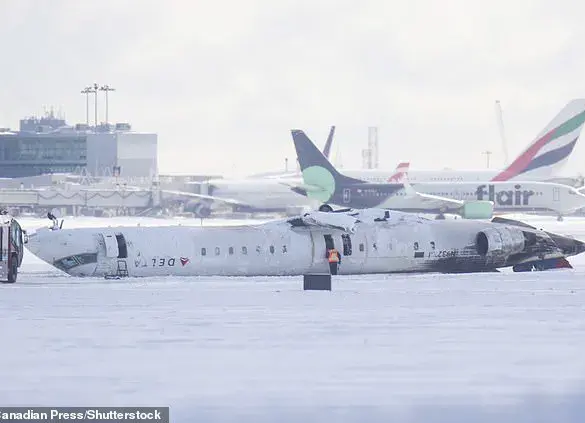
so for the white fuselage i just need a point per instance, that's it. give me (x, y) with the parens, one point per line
(405, 243)
(382, 176)
(507, 196)
(261, 193)
(511, 196)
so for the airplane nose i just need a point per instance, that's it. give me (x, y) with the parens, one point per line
(32, 243)
(39, 244)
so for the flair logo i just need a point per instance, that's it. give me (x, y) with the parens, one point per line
(184, 261)
(517, 197)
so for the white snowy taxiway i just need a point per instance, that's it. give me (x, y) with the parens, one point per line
(428, 348)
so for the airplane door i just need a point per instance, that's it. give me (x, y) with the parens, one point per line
(111, 244)
(556, 194)
(353, 253)
(328, 242)
(346, 195)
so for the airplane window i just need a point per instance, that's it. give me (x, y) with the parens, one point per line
(258, 249)
(244, 250)
(272, 249)
(416, 246)
(217, 251)
(361, 247)
(203, 251)
(284, 249)
(231, 250)
(433, 245)
(346, 244)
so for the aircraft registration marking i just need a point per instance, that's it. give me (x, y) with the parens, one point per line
(443, 253)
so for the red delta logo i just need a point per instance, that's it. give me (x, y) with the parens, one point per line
(517, 197)
(184, 261)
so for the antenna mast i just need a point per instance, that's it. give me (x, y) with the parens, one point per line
(487, 156)
(502, 132)
(370, 154)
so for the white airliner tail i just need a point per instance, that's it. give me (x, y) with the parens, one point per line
(552, 147)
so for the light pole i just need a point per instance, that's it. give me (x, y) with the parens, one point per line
(87, 91)
(107, 88)
(94, 91)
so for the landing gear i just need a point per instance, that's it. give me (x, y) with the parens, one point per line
(560, 218)
(325, 208)
(440, 216)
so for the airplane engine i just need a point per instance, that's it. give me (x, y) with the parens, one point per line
(504, 241)
(477, 210)
(199, 208)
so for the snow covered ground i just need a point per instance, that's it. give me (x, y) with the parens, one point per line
(420, 348)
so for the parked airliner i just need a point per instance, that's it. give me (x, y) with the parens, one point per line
(324, 183)
(256, 193)
(542, 160)
(370, 241)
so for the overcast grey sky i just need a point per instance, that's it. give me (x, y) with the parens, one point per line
(223, 82)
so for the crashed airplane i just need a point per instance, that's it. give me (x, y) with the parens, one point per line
(369, 241)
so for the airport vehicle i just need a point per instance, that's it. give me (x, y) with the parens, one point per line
(369, 241)
(11, 248)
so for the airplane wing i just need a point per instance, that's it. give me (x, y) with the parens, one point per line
(429, 199)
(339, 221)
(204, 197)
(302, 187)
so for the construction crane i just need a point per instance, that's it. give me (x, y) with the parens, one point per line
(500, 120)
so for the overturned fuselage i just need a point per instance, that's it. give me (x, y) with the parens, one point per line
(369, 241)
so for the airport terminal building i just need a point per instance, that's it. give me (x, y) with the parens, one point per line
(47, 145)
